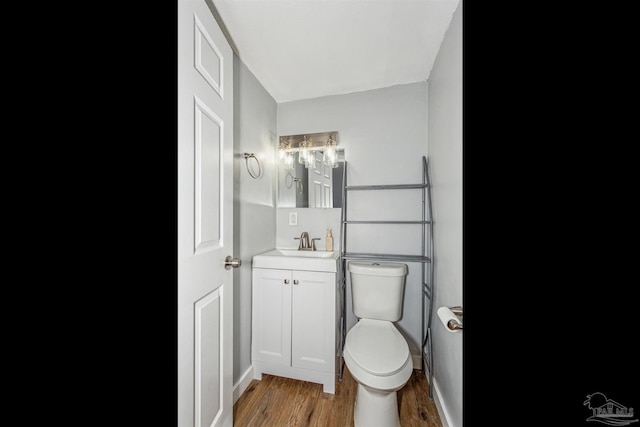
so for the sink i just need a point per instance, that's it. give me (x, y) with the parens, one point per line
(304, 254)
(292, 259)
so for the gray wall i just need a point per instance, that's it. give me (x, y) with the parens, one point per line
(445, 160)
(254, 210)
(383, 133)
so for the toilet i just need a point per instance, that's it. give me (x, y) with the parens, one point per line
(375, 352)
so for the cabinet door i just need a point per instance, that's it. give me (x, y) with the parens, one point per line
(313, 326)
(271, 316)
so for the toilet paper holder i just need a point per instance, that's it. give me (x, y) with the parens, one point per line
(453, 324)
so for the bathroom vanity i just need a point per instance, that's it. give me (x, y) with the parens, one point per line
(295, 315)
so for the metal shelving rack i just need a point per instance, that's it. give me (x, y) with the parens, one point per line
(425, 257)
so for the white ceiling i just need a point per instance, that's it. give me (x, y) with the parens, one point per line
(301, 49)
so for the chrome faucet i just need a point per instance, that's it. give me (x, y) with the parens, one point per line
(304, 242)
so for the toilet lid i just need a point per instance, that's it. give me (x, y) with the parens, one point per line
(377, 347)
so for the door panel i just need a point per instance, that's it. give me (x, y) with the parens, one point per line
(312, 325)
(208, 165)
(315, 200)
(208, 59)
(208, 387)
(271, 318)
(327, 186)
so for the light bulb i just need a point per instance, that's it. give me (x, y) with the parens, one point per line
(303, 153)
(329, 157)
(311, 160)
(288, 161)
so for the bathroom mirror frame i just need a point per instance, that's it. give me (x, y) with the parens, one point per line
(317, 188)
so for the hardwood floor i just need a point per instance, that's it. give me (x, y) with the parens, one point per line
(283, 402)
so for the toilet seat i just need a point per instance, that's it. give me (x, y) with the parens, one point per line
(377, 355)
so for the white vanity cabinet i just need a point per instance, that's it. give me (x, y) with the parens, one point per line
(294, 325)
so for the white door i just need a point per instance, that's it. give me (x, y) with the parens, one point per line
(320, 184)
(205, 156)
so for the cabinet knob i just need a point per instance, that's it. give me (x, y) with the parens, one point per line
(286, 281)
(295, 281)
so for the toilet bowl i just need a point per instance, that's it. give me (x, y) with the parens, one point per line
(375, 352)
(378, 358)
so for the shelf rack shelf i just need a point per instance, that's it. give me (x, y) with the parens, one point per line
(425, 258)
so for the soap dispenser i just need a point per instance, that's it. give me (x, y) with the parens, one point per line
(329, 241)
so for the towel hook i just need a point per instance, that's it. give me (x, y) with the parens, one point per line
(248, 156)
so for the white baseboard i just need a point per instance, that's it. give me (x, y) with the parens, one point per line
(242, 384)
(445, 418)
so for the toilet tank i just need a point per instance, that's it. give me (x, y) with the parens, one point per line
(377, 289)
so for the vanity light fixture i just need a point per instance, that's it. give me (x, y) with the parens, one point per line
(306, 146)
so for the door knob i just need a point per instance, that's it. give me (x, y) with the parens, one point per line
(232, 262)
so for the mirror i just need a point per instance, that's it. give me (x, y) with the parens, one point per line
(304, 187)
(320, 187)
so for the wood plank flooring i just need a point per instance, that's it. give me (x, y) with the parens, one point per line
(284, 402)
